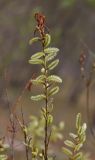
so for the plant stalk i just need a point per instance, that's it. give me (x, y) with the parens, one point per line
(46, 109)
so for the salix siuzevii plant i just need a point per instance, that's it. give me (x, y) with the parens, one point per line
(47, 62)
(73, 147)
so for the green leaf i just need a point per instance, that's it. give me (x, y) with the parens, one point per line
(78, 139)
(50, 119)
(78, 121)
(83, 138)
(38, 97)
(53, 91)
(72, 135)
(79, 130)
(53, 64)
(54, 78)
(47, 40)
(78, 156)
(51, 56)
(78, 147)
(84, 127)
(41, 77)
(51, 50)
(37, 55)
(36, 61)
(37, 82)
(69, 143)
(35, 39)
(67, 152)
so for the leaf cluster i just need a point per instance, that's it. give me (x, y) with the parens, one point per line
(46, 60)
(35, 129)
(73, 146)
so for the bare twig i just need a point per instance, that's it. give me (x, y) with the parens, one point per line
(88, 82)
(23, 128)
(12, 127)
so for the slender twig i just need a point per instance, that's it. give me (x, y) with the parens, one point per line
(12, 127)
(25, 136)
(12, 122)
(46, 108)
(27, 87)
(88, 84)
(23, 126)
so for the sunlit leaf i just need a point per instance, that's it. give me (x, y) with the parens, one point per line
(35, 39)
(53, 64)
(77, 148)
(47, 40)
(69, 143)
(84, 127)
(51, 56)
(50, 119)
(78, 120)
(54, 91)
(37, 82)
(51, 50)
(67, 152)
(38, 97)
(78, 156)
(37, 55)
(41, 77)
(54, 78)
(36, 61)
(72, 135)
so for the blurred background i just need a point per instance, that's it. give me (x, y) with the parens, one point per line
(72, 27)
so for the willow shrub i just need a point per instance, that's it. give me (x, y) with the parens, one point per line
(46, 59)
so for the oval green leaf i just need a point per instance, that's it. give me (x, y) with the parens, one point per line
(54, 91)
(51, 50)
(35, 39)
(53, 64)
(37, 55)
(51, 56)
(47, 40)
(54, 78)
(67, 152)
(38, 97)
(36, 61)
(69, 143)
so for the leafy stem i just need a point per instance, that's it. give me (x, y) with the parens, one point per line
(45, 79)
(73, 147)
